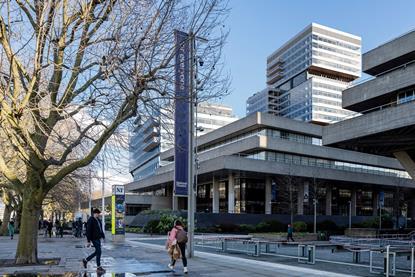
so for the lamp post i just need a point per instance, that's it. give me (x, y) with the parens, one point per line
(315, 215)
(191, 199)
(103, 188)
(350, 215)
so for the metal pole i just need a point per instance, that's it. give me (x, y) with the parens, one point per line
(103, 189)
(90, 193)
(412, 261)
(190, 201)
(380, 218)
(315, 215)
(350, 215)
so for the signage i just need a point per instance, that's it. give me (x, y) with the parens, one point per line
(181, 114)
(118, 210)
(381, 199)
(274, 192)
(306, 193)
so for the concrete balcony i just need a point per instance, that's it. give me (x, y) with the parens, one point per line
(379, 91)
(390, 55)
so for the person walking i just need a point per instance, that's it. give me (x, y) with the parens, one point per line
(10, 227)
(178, 236)
(50, 227)
(290, 233)
(94, 234)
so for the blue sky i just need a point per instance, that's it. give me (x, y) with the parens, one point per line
(258, 27)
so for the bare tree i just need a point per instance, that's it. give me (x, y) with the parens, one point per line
(72, 72)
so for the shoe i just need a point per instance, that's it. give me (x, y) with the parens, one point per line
(100, 269)
(171, 266)
(185, 270)
(85, 262)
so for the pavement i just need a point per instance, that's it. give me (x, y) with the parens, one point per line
(139, 256)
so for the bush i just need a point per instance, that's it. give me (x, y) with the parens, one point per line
(247, 228)
(300, 226)
(263, 227)
(276, 226)
(151, 226)
(229, 228)
(166, 222)
(133, 230)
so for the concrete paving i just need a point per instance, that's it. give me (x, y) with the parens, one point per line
(135, 258)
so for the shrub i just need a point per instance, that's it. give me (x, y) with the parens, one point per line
(263, 227)
(300, 226)
(276, 226)
(166, 222)
(229, 228)
(151, 226)
(247, 228)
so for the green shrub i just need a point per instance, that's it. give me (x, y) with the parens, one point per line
(229, 228)
(263, 227)
(151, 226)
(167, 221)
(247, 228)
(276, 226)
(133, 230)
(300, 226)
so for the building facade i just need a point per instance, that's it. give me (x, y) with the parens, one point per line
(263, 164)
(155, 134)
(387, 104)
(306, 76)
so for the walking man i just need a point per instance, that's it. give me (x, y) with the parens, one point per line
(94, 234)
(290, 233)
(11, 228)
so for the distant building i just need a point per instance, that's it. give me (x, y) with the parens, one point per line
(155, 134)
(306, 76)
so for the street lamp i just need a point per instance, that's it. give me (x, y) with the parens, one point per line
(191, 201)
(315, 215)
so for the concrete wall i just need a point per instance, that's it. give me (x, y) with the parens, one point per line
(384, 84)
(370, 124)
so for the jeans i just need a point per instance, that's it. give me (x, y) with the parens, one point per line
(182, 247)
(97, 253)
(290, 236)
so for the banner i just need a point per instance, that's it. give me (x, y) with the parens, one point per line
(181, 114)
(306, 192)
(118, 210)
(381, 199)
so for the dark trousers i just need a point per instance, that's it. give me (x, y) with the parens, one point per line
(97, 253)
(290, 236)
(182, 247)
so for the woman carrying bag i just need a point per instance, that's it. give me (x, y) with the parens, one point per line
(176, 245)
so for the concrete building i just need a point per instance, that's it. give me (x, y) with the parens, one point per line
(387, 126)
(263, 164)
(306, 76)
(155, 134)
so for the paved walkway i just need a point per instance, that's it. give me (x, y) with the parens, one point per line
(135, 258)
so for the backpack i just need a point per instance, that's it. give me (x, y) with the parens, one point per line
(181, 236)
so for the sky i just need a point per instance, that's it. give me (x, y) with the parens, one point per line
(258, 27)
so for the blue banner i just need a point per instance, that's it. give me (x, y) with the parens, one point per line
(181, 114)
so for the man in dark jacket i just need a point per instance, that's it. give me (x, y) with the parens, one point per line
(94, 234)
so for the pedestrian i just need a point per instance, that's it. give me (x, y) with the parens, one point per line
(94, 234)
(177, 237)
(45, 227)
(50, 227)
(11, 228)
(290, 233)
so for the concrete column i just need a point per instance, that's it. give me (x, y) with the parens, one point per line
(328, 200)
(268, 194)
(215, 199)
(375, 202)
(300, 201)
(231, 194)
(353, 202)
(175, 203)
(407, 162)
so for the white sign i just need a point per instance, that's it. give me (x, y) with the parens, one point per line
(118, 190)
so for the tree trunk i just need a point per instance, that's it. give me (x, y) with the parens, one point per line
(27, 246)
(6, 219)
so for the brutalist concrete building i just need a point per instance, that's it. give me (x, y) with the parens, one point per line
(263, 164)
(387, 126)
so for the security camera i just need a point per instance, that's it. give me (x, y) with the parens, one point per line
(201, 62)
